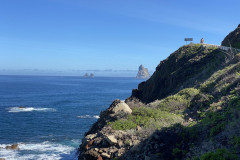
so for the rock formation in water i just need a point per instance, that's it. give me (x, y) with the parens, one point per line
(91, 75)
(142, 73)
(188, 109)
(86, 75)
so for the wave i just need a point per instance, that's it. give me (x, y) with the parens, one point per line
(30, 109)
(88, 116)
(39, 151)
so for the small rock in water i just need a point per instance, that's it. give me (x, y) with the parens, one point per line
(13, 147)
(21, 107)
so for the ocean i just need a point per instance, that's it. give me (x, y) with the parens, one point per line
(47, 116)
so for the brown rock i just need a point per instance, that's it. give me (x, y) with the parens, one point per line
(13, 147)
(21, 107)
(86, 147)
(90, 143)
(99, 158)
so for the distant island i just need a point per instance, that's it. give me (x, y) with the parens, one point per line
(86, 75)
(142, 73)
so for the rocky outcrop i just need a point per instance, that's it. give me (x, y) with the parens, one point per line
(232, 38)
(186, 67)
(91, 75)
(142, 73)
(116, 111)
(86, 75)
(101, 141)
(12, 147)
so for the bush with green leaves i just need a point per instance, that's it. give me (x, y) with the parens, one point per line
(220, 154)
(179, 102)
(146, 117)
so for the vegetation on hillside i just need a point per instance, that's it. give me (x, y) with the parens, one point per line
(206, 114)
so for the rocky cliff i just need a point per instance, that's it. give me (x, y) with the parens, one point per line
(142, 73)
(188, 109)
(189, 66)
(233, 38)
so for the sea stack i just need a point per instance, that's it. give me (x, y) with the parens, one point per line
(91, 75)
(142, 73)
(86, 75)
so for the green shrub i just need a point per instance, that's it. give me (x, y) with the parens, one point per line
(146, 117)
(179, 102)
(220, 154)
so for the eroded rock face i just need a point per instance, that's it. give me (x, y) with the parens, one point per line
(142, 73)
(232, 38)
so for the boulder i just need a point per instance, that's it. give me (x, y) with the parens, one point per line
(111, 139)
(118, 106)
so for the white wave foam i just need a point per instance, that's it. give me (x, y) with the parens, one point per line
(39, 151)
(88, 116)
(30, 109)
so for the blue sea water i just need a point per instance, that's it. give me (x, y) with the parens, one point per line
(47, 116)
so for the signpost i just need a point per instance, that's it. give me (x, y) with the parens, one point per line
(188, 39)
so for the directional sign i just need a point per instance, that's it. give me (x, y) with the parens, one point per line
(188, 39)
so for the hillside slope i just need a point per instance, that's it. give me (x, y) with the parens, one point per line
(188, 109)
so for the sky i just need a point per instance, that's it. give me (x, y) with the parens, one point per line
(106, 37)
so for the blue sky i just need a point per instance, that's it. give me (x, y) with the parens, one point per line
(69, 35)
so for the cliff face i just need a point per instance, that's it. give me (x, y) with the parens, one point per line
(142, 73)
(191, 110)
(186, 67)
(233, 38)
